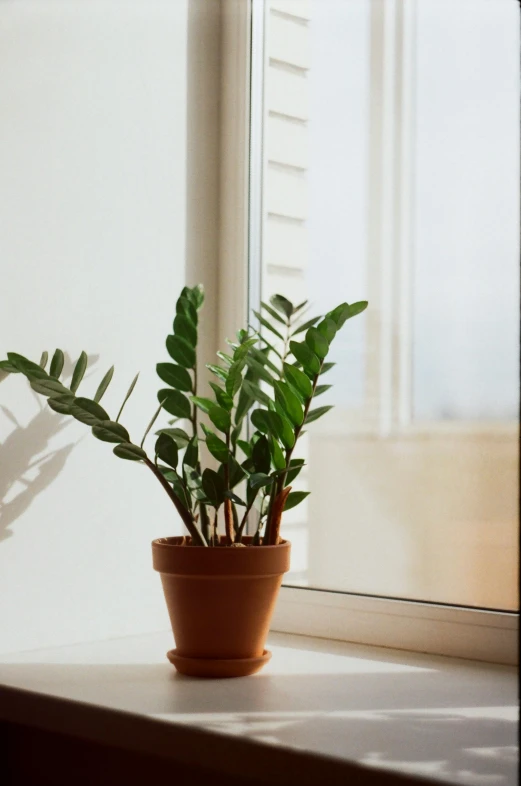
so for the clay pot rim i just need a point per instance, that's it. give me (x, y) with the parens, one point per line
(164, 543)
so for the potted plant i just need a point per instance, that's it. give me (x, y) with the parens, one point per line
(220, 584)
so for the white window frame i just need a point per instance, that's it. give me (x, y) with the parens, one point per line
(477, 634)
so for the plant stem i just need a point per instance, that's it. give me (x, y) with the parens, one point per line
(194, 412)
(244, 519)
(188, 521)
(228, 516)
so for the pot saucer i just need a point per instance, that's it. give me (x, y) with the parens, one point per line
(207, 667)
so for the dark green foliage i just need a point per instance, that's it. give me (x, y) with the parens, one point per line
(260, 400)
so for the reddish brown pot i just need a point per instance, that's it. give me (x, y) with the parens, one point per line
(220, 602)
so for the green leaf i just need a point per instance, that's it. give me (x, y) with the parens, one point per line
(267, 422)
(185, 306)
(87, 411)
(48, 387)
(234, 498)
(289, 403)
(105, 382)
(219, 372)
(245, 447)
(261, 455)
(180, 351)
(79, 372)
(255, 392)
(216, 446)
(58, 359)
(220, 418)
(314, 414)
(110, 431)
(166, 449)
(191, 456)
(258, 480)
(277, 456)
(300, 306)
(129, 393)
(193, 478)
(234, 381)
(357, 308)
(179, 436)
(184, 328)
(295, 468)
(282, 304)
(8, 367)
(298, 381)
(129, 452)
(328, 329)
(175, 402)
(204, 404)
(317, 342)
(44, 358)
(344, 311)
(62, 404)
(270, 347)
(264, 322)
(26, 366)
(259, 370)
(321, 389)
(339, 315)
(271, 311)
(223, 399)
(180, 491)
(213, 486)
(286, 433)
(305, 356)
(295, 498)
(225, 358)
(197, 295)
(305, 326)
(235, 471)
(167, 473)
(326, 367)
(175, 376)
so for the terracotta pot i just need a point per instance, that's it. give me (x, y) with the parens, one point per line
(220, 602)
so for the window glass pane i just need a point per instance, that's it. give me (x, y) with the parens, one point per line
(391, 146)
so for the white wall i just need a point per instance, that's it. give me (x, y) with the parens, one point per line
(92, 241)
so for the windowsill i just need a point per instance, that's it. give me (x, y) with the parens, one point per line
(320, 711)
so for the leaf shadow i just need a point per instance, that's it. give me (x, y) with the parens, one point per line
(26, 458)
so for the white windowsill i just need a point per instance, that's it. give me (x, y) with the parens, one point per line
(318, 709)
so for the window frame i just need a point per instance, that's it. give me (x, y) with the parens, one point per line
(473, 633)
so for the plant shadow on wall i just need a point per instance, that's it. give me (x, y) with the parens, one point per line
(26, 459)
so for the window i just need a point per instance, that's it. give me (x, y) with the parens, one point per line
(390, 171)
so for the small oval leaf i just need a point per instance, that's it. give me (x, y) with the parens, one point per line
(79, 371)
(110, 431)
(58, 359)
(314, 414)
(166, 449)
(305, 356)
(175, 402)
(175, 376)
(295, 498)
(180, 351)
(87, 411)
(317, 342)
(220, 418)
(129, 452)
(103, 385)
(61, 404)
